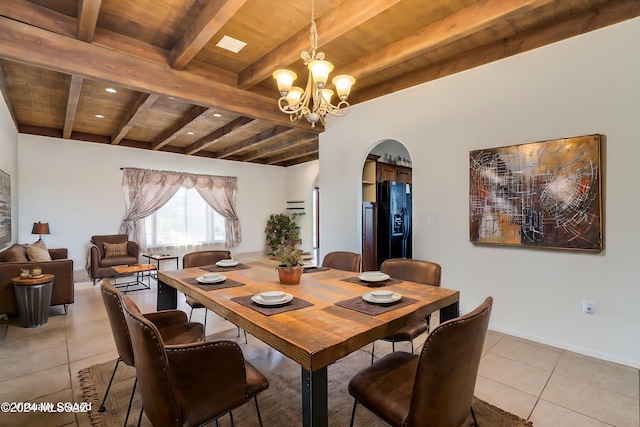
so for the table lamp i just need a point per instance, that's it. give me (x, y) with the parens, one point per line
(40, 228)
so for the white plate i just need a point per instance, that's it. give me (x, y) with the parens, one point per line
(227, 263)
(258, 300)
(211, 278)
(369, 298)
(373, 276)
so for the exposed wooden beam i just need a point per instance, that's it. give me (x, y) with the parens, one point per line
(75, 87)
(41, 48)
(597, 17)
(5, 94)
(39, 16)
(261, 138)
(475, 17)
(224, 132)
(332, 25)
(302, 151)
(172, 132)
(135, 113)
(280, 146)
(88, 19)
(207, 23)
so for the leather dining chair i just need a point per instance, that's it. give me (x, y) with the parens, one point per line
(433, 389)
(171, 324)
(201, 259)
(340, 260)
(189, 384)
(414, 270)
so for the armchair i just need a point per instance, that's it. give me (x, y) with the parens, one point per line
(102, 256)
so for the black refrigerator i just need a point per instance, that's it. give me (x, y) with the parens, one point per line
(394, 220)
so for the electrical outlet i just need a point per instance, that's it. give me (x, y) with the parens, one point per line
(588, 306)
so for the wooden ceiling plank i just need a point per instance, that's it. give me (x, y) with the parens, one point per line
(473, 18)
(280, 147)
(332, 25)
(224, 132)
(5, 94)
(41, 48)
(135, 113)
(260, 138)
(197, 113)
(39, 16)
(207, 23)
(88, 19)
(592, 19)
(75, 88)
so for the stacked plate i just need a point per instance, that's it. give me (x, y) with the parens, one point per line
(382, 297)
(227, 263)
(373, 276)
(272, 298)
(211, 278)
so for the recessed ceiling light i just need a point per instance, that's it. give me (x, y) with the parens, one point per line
(217, 115)
(111, 90)
(100, 116)
(231, 44)
(170, 98)
(189, 133)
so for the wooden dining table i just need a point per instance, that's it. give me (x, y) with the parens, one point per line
(319, 332)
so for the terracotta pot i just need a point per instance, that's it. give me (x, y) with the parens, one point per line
(290, 275)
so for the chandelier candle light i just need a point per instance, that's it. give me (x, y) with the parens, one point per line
(315, 101)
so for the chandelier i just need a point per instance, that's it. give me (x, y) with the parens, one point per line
(313, 103)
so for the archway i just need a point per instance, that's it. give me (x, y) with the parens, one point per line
(386, 204)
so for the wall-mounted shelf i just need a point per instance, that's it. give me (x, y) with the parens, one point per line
(295, 205)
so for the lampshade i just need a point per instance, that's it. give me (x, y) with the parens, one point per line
(40, 228)
(320, 70)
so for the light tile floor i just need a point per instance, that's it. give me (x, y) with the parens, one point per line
(549, 386)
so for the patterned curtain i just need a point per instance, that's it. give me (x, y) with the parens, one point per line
(146, 191)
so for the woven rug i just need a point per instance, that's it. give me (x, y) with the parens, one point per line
(280, 404)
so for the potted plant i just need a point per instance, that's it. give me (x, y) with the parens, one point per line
(280, 229)
(290, 268)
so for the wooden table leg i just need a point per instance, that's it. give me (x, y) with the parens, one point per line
(450, 312)
(167, 297)
(315, 412)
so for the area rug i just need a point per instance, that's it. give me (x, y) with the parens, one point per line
(280, 404)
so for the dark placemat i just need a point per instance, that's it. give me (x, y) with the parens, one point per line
(372, 284)
(295, 304)
(228, 283)
(358, 304)
(314, 269)
(215, 269)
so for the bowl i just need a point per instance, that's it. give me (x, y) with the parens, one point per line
(272, 295)
(211, 276)
(382, 295)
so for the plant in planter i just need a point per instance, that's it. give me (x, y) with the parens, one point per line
(281, 228)
(290, 267)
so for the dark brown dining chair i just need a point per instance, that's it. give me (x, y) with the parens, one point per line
(341, 260)
(172, 325)
(189, 384)
(202, 259)
(414, 270)
(433, 389)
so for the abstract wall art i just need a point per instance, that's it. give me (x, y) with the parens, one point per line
(5, 208)
(543, 194)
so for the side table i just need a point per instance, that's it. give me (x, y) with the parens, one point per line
(34, 297)
(157, 258)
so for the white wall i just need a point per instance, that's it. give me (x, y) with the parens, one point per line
(77, 188)
(9, 164)
(585, 85)
(300, 179)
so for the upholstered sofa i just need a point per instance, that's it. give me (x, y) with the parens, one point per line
(101, 261)
(15, 258)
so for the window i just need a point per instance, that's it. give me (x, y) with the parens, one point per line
(185, 220)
